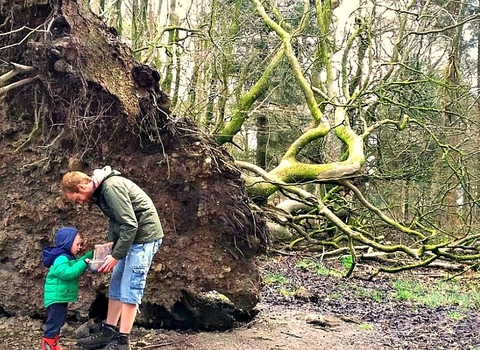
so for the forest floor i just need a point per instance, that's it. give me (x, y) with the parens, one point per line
(303, 309)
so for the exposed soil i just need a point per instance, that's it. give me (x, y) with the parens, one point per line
(324, 313)
(91, 104)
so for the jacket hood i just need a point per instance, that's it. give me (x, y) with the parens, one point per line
(100, 174)
(63, 246)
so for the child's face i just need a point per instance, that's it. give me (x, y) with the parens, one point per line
(77, 244)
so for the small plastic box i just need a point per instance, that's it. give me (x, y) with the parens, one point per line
(94, 265)
(99, 254)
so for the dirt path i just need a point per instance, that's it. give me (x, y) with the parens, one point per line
(329, 313)
(276, 327)
(280, 328)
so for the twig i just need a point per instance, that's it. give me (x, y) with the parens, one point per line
(281, 252)
(17, 68)
(158, 345)
(291, 334)
(35, 163)
(11, 86)
(24, 39)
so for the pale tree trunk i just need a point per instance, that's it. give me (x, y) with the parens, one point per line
(139, 24)
(193, 85)
(474, 188)
(171, 43)
(478, 54)
(451, 97)
(209, 117)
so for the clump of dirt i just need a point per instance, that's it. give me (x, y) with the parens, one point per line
(329, 313)
(211, 235)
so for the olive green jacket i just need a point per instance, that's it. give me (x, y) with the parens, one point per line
(61, 283)
(133, 218)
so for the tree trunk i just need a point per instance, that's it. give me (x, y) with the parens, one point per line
(262, 140)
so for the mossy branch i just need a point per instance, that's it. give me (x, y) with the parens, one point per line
(378, 212)
(294, 64)
(246, 101)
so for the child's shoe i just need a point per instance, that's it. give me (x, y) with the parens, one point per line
(48, 343)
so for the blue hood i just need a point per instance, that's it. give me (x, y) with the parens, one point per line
(63, 246)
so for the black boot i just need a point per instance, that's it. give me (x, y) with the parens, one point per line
(122, 342)
(99, 339)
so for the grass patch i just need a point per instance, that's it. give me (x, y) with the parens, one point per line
(372, 294)
(428, 292)
(335, 296)
(274, 278)
(317, 268)
(366, 326)
(455, 315)
(279, 284)
(288, 293)
(347, 261)
(435, 294)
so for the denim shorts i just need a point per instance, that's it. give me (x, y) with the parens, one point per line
(129, 276)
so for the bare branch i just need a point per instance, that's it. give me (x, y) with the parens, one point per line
(11, 86)
(17, 68)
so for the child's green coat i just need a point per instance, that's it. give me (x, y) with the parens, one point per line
(61, 283)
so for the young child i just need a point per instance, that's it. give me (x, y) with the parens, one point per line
(61, 283)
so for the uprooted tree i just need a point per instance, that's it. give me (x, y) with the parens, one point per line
(400, 186)
(74, 98)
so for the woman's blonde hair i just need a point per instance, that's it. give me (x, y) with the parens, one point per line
(72, 179)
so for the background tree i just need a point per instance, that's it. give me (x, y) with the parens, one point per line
(377, 89)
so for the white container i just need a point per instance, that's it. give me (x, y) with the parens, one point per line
(94, 265)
